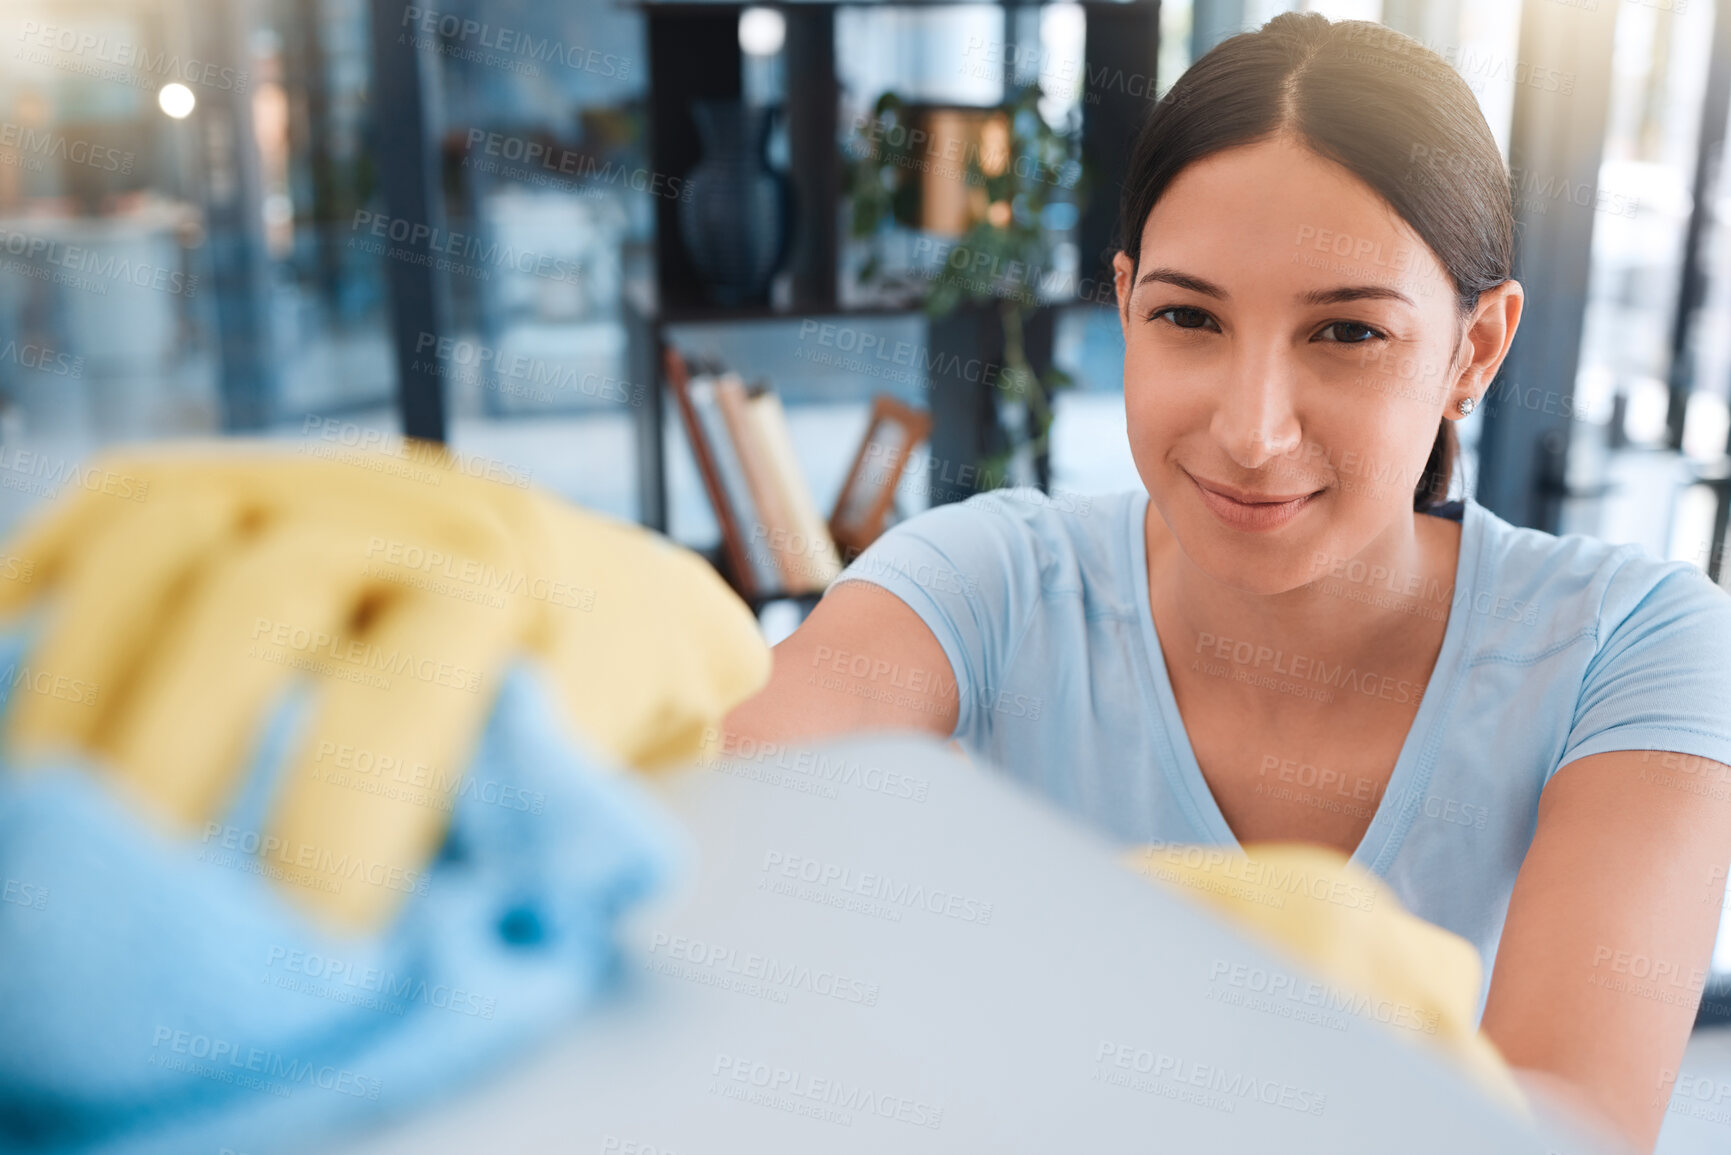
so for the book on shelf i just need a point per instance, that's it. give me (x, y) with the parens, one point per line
(807, 540)
(773, 492)
(765, 572)
(774, 543)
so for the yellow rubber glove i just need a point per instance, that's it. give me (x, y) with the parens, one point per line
(401, 585)
(1344, 925)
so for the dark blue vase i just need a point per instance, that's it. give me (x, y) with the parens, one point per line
(737, 218)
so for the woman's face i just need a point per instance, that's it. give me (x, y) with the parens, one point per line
(1289, 341)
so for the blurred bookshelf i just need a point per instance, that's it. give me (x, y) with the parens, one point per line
(694, 54)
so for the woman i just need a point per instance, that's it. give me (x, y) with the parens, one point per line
(1293, 635)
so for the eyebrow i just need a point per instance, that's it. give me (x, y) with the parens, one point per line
(1183, 281)
(1355, 293)
(1336, 296)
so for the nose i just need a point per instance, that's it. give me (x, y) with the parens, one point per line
(1255, 420)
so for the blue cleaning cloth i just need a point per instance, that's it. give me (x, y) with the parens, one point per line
(158, 993)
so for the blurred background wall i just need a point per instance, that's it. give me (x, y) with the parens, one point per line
(197, 233)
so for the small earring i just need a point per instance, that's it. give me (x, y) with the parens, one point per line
(1466, 405)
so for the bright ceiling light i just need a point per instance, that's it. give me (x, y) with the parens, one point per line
(176, 100)
(761, 31)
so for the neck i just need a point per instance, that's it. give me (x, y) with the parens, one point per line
(1362, 611)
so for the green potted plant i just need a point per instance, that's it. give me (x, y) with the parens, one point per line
(1018, 166)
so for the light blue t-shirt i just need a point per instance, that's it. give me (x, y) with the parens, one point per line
(1555, 648)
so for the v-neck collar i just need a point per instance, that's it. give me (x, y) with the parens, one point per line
(1402, 798)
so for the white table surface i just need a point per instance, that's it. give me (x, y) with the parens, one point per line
(994, 1029)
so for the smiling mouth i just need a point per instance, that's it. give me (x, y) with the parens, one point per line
(1253, 512)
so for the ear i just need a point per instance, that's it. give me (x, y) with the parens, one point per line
(1490, 330)
(1122, 271)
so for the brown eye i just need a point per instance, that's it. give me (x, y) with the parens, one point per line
(1349, 333)
(1184, 317)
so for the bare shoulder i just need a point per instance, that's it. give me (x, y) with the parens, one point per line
(863, 660)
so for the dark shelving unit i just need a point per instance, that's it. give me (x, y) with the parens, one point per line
(694, 53)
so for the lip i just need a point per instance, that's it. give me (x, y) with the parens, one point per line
(1252, 513)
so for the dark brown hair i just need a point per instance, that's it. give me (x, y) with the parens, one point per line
(1381, 105)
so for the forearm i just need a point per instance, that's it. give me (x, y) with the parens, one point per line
(1605, 947)
(862, 661)
(1552, 1094)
